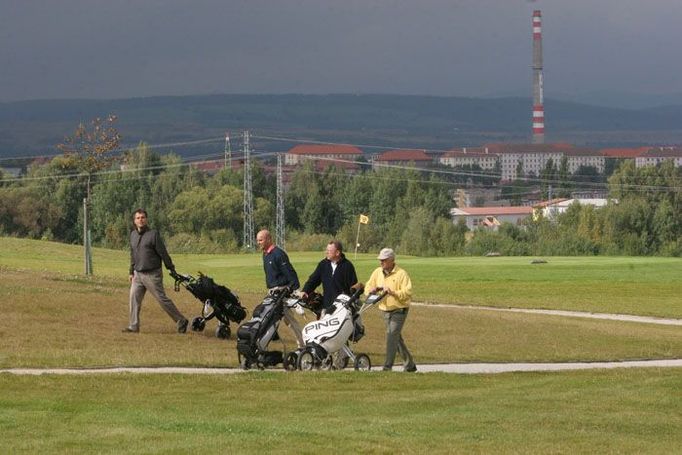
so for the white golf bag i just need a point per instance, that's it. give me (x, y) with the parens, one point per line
(327, 340)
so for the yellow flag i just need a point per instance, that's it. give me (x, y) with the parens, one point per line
(364, 219)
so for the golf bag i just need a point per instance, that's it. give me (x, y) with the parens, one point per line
(219, 302)
(328, 340)
(254, 336)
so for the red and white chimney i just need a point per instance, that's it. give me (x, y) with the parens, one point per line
(538, 102)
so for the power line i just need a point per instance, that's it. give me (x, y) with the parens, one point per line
(249, 234)
(279, 222)
(455, 173)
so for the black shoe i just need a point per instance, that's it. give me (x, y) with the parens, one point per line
(411, 369)
(130, 330)
(182, 326)
(387, 369)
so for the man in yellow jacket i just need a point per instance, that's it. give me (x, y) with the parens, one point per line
(398, 286)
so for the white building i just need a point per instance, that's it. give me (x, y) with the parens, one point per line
(323, 152)
(557, 207)
(490, 217)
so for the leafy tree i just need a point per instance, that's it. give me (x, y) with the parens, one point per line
(355, 197)
(297, 194)
(565, 184)
(587, 174)
(416, 239)
(90, 148)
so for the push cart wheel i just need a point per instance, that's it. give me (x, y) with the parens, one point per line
(327, 363)
(223, 332)
(306, 361)
(291, 361)
(198, 324)
(362, 362)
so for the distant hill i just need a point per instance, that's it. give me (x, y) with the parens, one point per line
(35, 127)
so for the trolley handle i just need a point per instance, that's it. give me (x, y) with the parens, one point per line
(179, 279)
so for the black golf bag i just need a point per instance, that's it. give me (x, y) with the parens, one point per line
(219, 302)
(254, 335)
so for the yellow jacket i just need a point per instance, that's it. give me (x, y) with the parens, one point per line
(398, 281)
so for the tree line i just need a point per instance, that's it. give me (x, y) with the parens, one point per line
(408, 209)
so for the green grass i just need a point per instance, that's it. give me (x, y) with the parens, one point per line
(55, 317)
(647, 286)
(59, 320)
(623, 411)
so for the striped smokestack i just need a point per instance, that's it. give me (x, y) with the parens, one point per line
(538, 103)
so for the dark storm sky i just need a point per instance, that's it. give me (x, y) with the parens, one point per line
(126, 48)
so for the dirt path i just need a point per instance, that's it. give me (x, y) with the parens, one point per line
(574, 314)
(460, 368)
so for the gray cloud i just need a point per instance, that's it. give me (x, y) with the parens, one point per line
(123, 48)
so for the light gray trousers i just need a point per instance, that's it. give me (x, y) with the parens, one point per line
(151, 281)
(394, 321)
(291, 321)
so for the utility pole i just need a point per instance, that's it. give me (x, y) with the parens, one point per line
(228, 151)
(279, 229)
(249, 234)
(86, 237)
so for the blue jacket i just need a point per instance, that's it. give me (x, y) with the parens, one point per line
(278, 269)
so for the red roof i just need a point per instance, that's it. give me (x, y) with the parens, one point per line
(325, 149)
(208, 166)
(663, 152)
(321, 165)
(404, 155)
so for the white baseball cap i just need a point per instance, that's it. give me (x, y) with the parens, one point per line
(386, 253)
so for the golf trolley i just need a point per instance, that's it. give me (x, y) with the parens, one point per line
(254, 336)
(219, 302)
(328, 340)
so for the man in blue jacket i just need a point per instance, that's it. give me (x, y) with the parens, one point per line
(279, 273)
(278, 269)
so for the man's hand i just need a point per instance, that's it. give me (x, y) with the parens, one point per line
(130, 278)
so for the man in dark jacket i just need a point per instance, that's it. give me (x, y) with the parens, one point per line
(147, 251)
(278, 269)
(278, 273)
(335, 273)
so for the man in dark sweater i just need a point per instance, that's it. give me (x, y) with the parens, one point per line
(279, 273)
(335, 273)
(278, 269)
(147, 251)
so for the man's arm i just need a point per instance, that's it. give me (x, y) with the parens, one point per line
(131, 270)
(371, 285)
(352, 276)
(288, 270)
(314, 280)
(403, 287)
(163, 253)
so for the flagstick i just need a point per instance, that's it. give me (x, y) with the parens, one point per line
(357, 239)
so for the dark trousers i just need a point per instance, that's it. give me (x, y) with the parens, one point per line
(394, 321)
